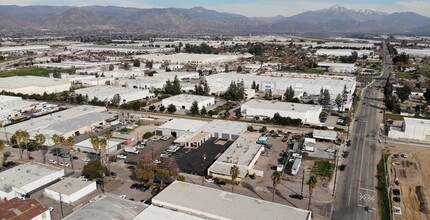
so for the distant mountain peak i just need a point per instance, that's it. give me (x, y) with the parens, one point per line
(337, 7)
(199, 8)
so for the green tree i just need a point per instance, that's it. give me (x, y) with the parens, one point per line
(147, 135)
(171, 108)
(235, 91)
(388, 88)
(427, 95)
(22, 138)
(344, 95)
(71, 142)
(151, 108)
(162, 108)
(103, 153)
(203, 111)
(268, 95)
(94, 170)
(2, 147)
(234, 173)
(312, 183)
(194, 109)
(289, 94)
(149, 64)
(116, 100)
(276, 179)
(95, 142)
(40, 140)
(403, 93)
(338, 101)
(176, 86)
(111, 67)
(136, 63)
(127, 66)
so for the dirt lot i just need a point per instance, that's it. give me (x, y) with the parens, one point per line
(414, 181)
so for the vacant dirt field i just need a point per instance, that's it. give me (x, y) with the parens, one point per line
(413, 181)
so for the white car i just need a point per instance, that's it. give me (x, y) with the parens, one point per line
(210, 180)
(52, 161)
(86, 159)
(65, 164)
(164, 155)
(51, 209)
(155, 138)
(120, 156)
(157, 161)
(330, 150)
(83, 178)
(165, 138)
(122, 196)
(140, 146)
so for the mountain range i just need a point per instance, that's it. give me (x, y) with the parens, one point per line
(336, 19)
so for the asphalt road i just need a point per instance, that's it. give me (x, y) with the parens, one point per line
(356, 191)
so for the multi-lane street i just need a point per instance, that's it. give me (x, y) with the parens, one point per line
(356, 196)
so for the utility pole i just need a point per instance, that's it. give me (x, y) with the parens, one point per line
(303, 181)
(335, 172)
(61, 204)
(203, 169)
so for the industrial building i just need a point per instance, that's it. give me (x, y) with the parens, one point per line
(156, 212)
(309, 144)
(178, 127)
(343, 52)
(414, 52)
(118, 49)
(325, 135)
(29, 209)
(278, 83)
(413, 129)
(339, 67)
(243, 153)
(19, 50)
(33, 85)
(209, 203)
(189, 58)
(113, 145)
(12, 107)
(70, 190)
(309, 114)
(25, 178)
(108, 206)
(224, 129)
(71, 65)
(70, 122)
(106, 93)
(185, 101)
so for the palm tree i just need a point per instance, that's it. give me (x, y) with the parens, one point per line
(61, 142)
(312, 183)
(40, 140)
(56, 140)
(276, 179)
(22, 138)
(102, 145)
(95, 141)
(234, 172)
(108, 136)
(71, 142)
(2, 146)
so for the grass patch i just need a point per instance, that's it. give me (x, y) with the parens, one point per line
(393, 117)
(402, 75)
(125, 130)
(323, 168)
(383, 200)
(33, 72)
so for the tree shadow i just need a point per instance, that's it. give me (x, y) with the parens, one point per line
(251, 188)
(277, 193)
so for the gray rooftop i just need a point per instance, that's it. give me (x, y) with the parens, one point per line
(416, 122)
(24, 174)
(280, 106)
(15, 82)
(187, 98)
(225, 126)
(184, 124)
(158, 213)
(217, 204)
(108, 207)
(69, 186)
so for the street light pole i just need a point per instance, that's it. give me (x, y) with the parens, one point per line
(335, 172)
(303, 181)
(61, 204)
(203, 169)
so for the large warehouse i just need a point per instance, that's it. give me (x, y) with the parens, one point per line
(12, 107)
(33, 85)
(17, 50)
(309, 114)
(178, 127)
(70, 122)
(225, 129)
(70, 190)
(25, 178)
(185, 101)
(413, 128)
(189, 58)
(188, 198)
(243, 153)
(28, 209)
(113, 145)
(308, 84)
(108, 92)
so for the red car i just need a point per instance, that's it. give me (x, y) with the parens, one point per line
(31, 158)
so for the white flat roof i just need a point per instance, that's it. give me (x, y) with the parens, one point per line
(113, 142)
(416, 122)
(240, 153)
(225, 126)
(24, 174)
(183, 124)
(108, 206)
(103, 92)
(158, 213)
(280, 106)
(24, 48)
(70, 185)
(15, 82)
(217, 204)
(63, 121)
(187, 98)
(189, 57)
(325, 134)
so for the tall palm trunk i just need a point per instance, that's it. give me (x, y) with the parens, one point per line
(72, 153)
(310, 200)
(43, 155)
(273, 194)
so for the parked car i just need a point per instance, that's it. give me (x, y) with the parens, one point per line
(131, 167)
(155, 138)
(140, 146)
(134, 185)
(31, 158)
(86, 159)
(396, 199)
(113, 174)
(330, 150)
(163, 155)
(122, 196)
(9, 164)
(210, 180)
(296, 196)
(396, 192)
(52, 162)
(404, 155)
(83, 178)
(342, 167)
(157, 161)
(155, 191)
(165, 138)
(121, 156)
(75, 158)
(64, 164)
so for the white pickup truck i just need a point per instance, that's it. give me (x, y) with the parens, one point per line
(132, 150)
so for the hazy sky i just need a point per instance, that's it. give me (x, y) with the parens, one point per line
(248, 7)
